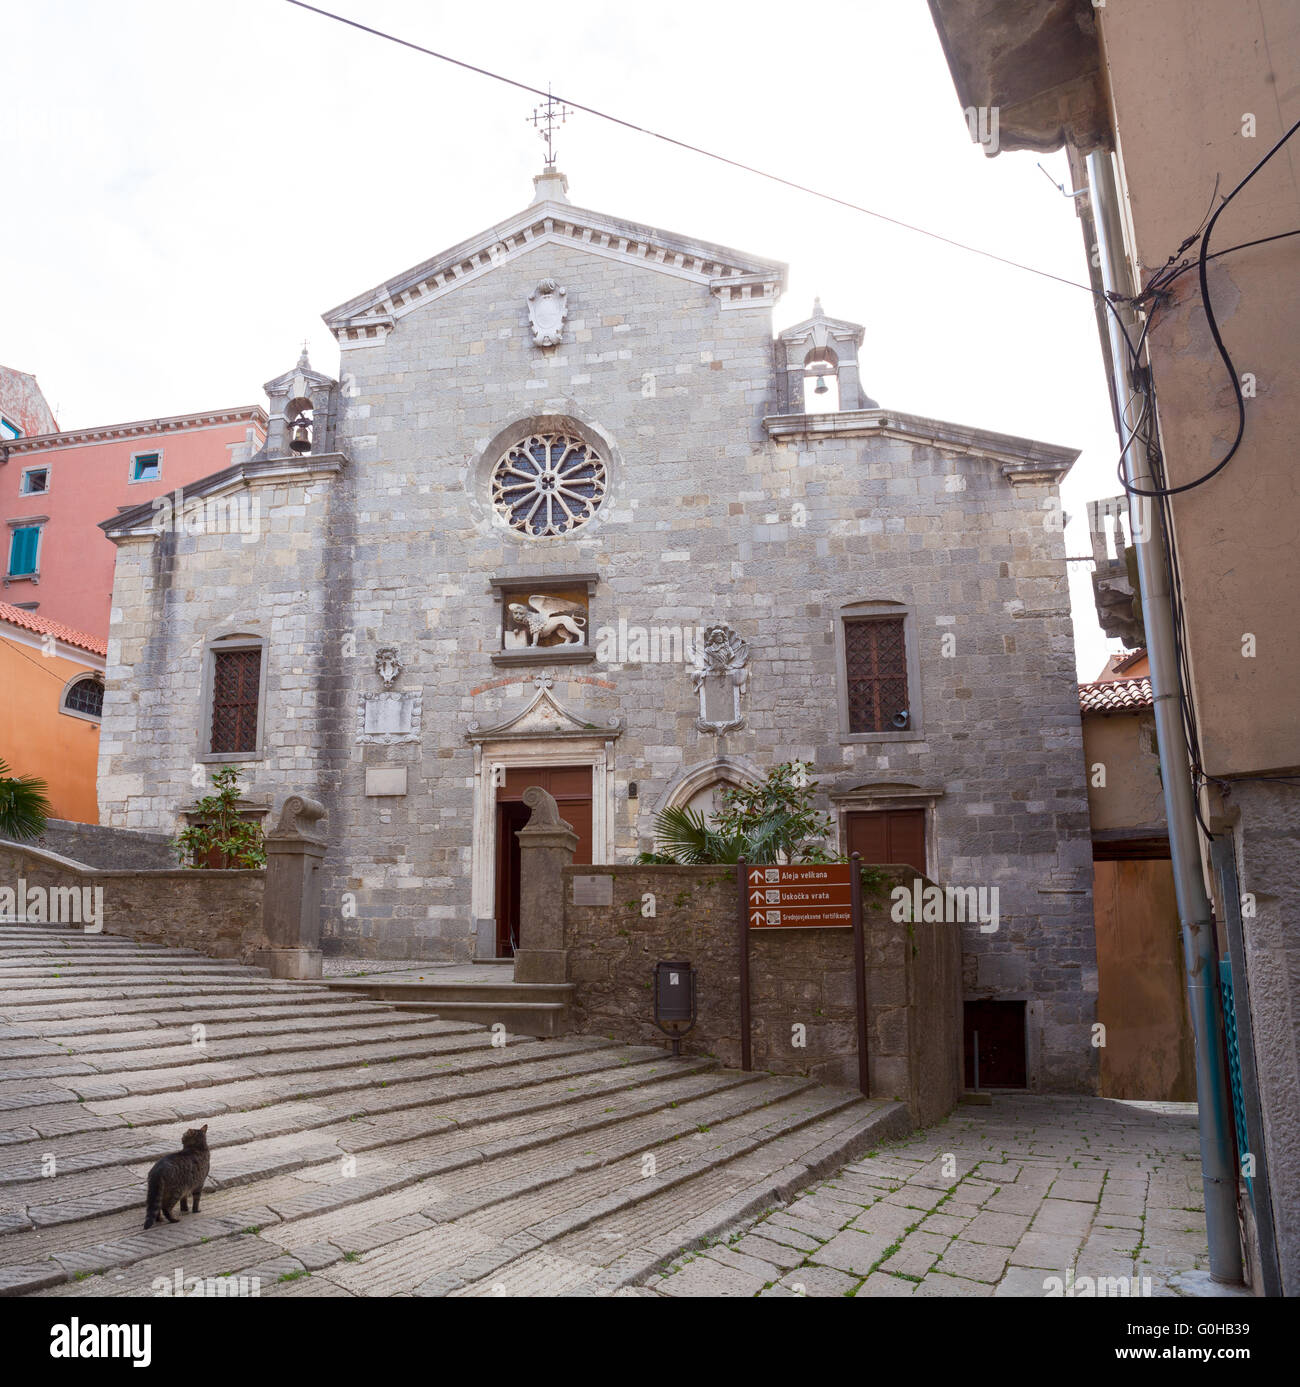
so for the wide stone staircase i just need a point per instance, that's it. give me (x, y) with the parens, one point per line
(360, 1148)
(536, 1009)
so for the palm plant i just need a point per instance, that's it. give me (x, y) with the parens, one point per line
(24, 807)
(772, 821)
(683, 836)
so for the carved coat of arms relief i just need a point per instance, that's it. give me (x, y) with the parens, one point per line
(547, 310)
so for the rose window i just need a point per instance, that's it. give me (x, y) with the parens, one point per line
(548, 484)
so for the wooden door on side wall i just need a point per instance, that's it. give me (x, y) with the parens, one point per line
(571, 788)
(889, 835)
(1141, 989)
(995, 1033)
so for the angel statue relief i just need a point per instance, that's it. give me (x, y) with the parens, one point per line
(549, 615)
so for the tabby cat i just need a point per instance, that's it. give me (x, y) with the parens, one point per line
(177, 1177)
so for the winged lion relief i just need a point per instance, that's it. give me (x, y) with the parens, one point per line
(546, 616)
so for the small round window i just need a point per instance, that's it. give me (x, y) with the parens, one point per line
(548, 484)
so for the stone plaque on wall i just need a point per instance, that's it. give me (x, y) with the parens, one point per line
(593, 890)
(385, 780)
(390, 717)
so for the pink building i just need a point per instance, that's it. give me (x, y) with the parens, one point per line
(23, 409)
(55, 488)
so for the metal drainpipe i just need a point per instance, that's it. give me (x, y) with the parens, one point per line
(1218, 1169)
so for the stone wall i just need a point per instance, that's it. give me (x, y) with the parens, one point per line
(1267, 834)
(803, 1016)
(218, 913)
(105, 847)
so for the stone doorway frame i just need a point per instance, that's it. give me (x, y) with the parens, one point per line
(520, 753)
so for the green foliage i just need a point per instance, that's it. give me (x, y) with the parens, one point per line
(773, 821)
(23, 806)
(222, 829)
(875, 883)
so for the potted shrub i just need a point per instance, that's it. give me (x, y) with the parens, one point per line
(219, 836)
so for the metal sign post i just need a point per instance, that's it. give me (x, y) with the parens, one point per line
(806, 896)
(746, 1048)
(860, 973)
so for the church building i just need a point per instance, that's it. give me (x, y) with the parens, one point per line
(575, 515)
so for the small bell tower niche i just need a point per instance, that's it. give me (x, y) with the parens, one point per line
(303, 413)
(817, 361)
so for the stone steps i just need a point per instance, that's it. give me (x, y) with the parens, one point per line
(593, 1074)
(202, 1067)
(301, 1026)
(539, 1009)
(255, 1164)
(150, 1006)
(364, 1146)
(487, 991)
(116, 1032)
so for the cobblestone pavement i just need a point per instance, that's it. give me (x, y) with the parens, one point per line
(995, 1201)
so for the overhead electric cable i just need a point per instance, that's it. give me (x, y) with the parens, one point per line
(1208, 306)
(691, 148)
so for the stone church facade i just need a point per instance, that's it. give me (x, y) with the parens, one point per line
(566, 519)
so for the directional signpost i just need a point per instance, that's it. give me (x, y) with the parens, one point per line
(799, 897)
(804, 896)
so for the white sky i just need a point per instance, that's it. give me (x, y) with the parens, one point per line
(190, 186)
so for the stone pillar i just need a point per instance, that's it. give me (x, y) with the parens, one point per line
(546, 847)
(291, 903)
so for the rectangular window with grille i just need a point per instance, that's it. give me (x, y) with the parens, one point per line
(236, 675)
(876, 658)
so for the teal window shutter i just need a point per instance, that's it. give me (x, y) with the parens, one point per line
(22, 550)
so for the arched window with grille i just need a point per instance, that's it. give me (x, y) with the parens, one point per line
(83, 697)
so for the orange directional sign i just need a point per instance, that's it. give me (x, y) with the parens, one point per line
(797, 897)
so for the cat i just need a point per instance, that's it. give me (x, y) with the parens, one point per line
(177, 1177)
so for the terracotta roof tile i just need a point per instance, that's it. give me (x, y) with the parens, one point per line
(1115, 696)
(43, 626)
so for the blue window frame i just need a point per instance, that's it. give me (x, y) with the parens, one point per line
(8, 430)
(146, 467)
(24, 545)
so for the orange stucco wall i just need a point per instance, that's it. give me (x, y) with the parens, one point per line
(89, 482)
(37, 739)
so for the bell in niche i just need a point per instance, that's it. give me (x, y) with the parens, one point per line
(300, 442)
(821, 388)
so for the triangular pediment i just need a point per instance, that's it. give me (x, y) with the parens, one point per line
(819, 329)
(545, 716)
(735, 277)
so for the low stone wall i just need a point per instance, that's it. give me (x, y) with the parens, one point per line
(801, 983)
(110, 849)
(218, 913)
